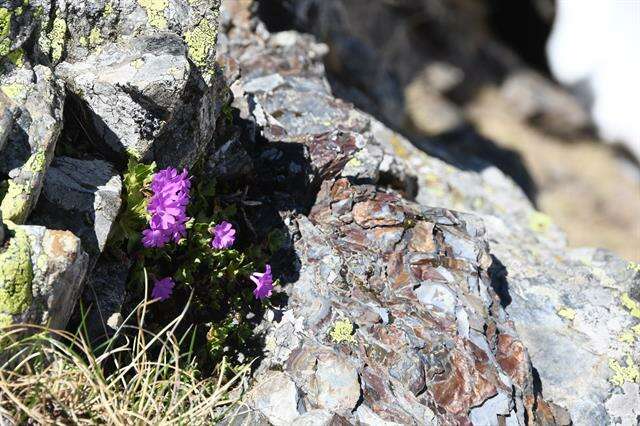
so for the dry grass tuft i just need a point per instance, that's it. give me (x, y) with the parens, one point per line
(136, 377)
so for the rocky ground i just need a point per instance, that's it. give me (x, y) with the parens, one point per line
(398, 308)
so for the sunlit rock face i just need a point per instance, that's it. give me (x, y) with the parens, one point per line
(593, 46)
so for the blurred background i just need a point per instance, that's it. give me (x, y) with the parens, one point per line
(547, 91)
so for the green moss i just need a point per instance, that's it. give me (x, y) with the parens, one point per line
(155, 12)
(13, 90)
(16, 57)
(14, 205)
(16, 273)
(200, 41)
(342, 332)
(57, 38)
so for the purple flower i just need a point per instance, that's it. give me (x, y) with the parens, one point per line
(263, 282)
(223, 235)
(168, 208)
(154, 238)
(162, 289)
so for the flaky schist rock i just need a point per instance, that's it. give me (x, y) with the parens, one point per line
(391, 317)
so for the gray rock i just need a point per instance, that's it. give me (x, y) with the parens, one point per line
(30, 145)
(336, 385)
(624, 406)
(94, 24)
(81, 196)
(7, 112)
(42, 276)
(363, 249)
(437, 295)
(104, 295)
(316, 417)
(276, 397)
(492, 411)
(145, 98)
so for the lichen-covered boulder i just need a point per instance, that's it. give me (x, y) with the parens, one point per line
(41, 275)
(390, 315)
(576, 310)
(30, 145)
(81, 196)
(143, 76)
(145, 99)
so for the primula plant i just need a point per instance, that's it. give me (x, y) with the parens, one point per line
(190, 245)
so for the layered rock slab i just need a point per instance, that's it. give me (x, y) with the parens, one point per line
(391, 317)
(81, 196)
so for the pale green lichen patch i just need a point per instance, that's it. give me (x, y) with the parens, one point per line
(539, 222)
(631, 305)
(57, 37)
(15, 205)
(201, 40)
(623, 374)
(137, 63)
(95, 38)
(342, 332)
(155, 12)
(15, 91)
(36, 163)
(5, 28)
(567, 313)
(108, 10)
(16, 273)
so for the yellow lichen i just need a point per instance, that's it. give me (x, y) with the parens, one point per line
(342, 331)
(200, 41)
(631, 305)
(5, 28)
(57, 37)
(108, 10)
(539, 222)
(621, 375)
(633, 266)
(95, 38)
(137, 63)
(567, 313)
(36, 162)
(16, 273)
(627, 337)
(83, 41)
(155, 12)
(14, 205)
(13, 90)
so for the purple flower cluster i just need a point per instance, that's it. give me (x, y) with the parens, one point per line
(223, 235)
(263, 282)
(168, 207)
